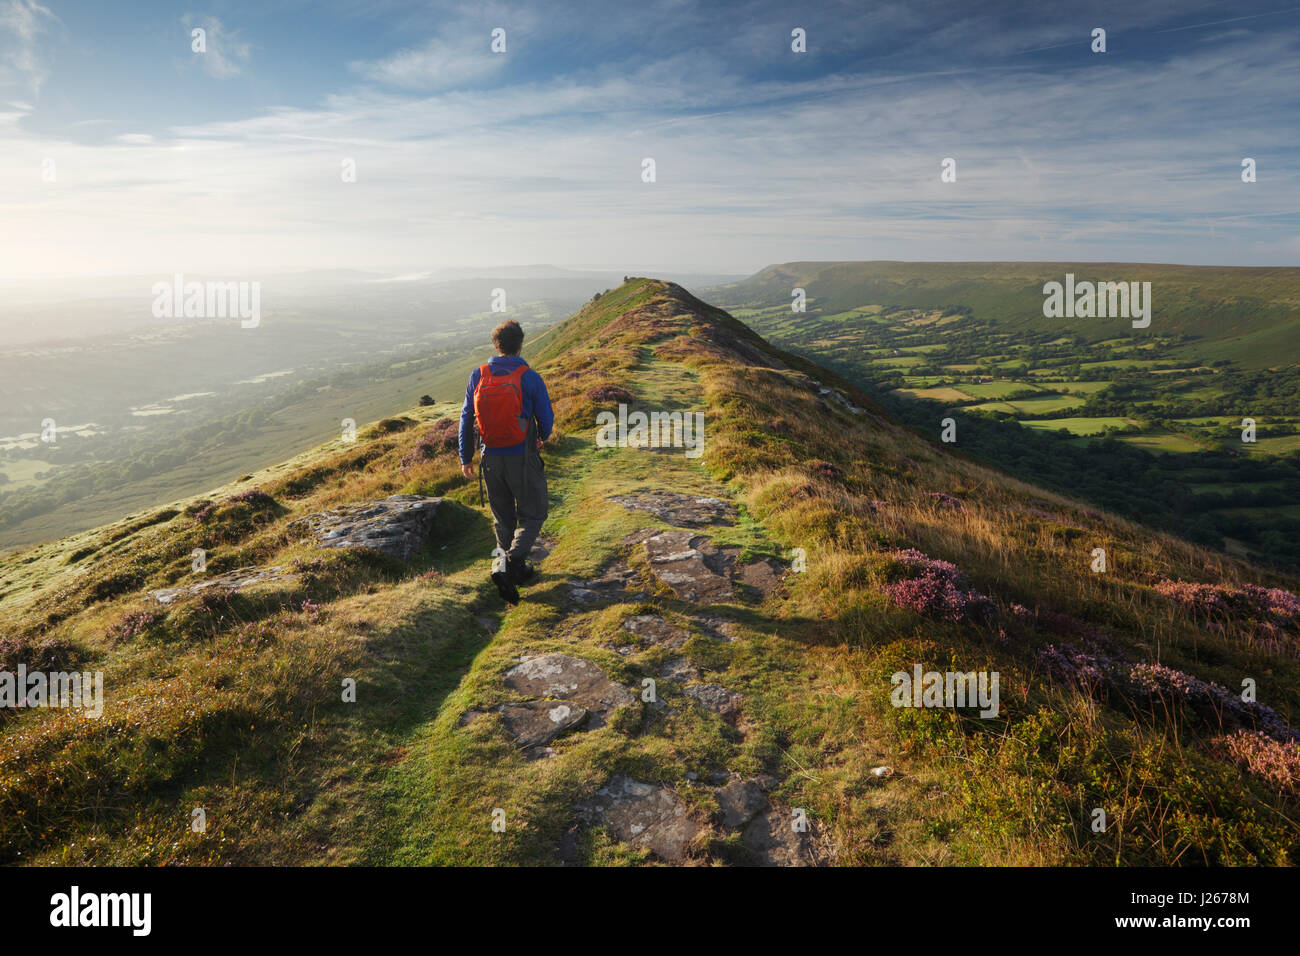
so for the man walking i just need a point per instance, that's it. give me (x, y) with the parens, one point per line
(507, 401)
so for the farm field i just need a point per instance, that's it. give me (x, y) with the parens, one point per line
(1031, 407)
(1081, 426)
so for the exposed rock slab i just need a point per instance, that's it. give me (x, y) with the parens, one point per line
(720, 628)
(569, 679)
(541, 549)
(699, 571)
(681, 511)
(399, 526)
(679, 669)
(691, 565)
(235, 580)
(611, 586)
(839, 397)
(741, 801)
(725, 703)
(642, 814)
(653, 629)
(535, 723)
(772, 840)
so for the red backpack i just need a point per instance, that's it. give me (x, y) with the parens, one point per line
(499, 407)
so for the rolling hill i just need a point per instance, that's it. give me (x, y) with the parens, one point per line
(706, 669)
(1244, 314)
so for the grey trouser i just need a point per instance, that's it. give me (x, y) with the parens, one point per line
(516, 491)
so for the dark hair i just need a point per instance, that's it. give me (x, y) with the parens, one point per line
(508, 337)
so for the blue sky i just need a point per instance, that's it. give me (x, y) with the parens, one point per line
(229, 161)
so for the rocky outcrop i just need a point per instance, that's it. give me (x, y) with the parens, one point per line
(399, 526)
(741, 801)
(613, 585)
(567, 694)
(535, 723)
(701, 572)
(679, 669)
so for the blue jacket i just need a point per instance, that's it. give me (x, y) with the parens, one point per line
(537, 404)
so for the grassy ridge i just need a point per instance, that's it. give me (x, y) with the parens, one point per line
(233, 704)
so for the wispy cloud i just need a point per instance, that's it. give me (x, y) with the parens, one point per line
(21, 23)
(438, 64)
(460, 54)
(225, 52)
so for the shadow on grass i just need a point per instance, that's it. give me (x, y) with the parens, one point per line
(296, 747)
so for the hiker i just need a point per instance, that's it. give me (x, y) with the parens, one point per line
(507, 401)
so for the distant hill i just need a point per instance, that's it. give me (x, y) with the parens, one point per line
(710, 667)
(1246, 314)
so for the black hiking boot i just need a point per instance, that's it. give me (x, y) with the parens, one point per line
(505, 586)
(521, 572)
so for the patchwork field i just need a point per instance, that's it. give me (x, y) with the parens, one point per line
(971, 339)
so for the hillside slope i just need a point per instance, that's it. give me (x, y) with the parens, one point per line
(702, 671)
(1245, 314)
(1076, 405)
